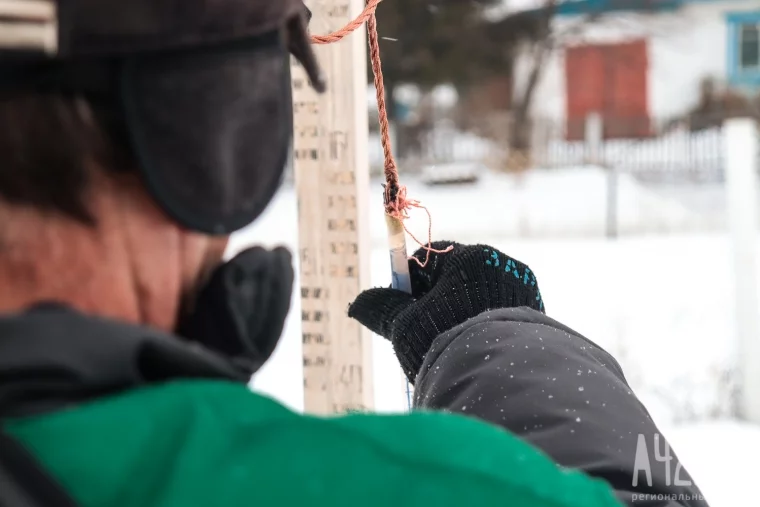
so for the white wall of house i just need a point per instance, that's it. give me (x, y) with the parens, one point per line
(684, 47)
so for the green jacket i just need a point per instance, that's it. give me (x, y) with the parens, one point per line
(207, 443)
(122, 416)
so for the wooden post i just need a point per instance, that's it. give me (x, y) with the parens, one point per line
(332, 180)
(593, 137)
(741, 152)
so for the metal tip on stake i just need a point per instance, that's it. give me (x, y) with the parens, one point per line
(400, 277)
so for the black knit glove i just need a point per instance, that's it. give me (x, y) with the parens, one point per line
(452, 288)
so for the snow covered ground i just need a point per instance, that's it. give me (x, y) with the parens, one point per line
(662, 304)
(721, 457)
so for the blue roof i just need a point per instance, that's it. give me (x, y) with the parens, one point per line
(581, 7)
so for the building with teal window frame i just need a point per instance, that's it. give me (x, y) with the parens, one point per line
(736, 76)
(746, 78)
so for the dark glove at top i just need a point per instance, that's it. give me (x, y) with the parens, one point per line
(452, 288)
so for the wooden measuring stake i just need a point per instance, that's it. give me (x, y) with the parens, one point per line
(332, 182)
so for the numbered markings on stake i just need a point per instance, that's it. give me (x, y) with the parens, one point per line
(315, 316)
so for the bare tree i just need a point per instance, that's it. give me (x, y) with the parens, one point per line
(538, 46)
(535, 46)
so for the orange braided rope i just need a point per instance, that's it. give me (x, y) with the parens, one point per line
(368, 12)
(397, 204)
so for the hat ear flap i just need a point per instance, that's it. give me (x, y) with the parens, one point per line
(299, 44)
(211, 129)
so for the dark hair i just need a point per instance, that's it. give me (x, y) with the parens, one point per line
(48, 143)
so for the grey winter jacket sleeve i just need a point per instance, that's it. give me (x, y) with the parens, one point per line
(519, 369)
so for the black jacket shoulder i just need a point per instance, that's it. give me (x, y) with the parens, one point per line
(554, 388)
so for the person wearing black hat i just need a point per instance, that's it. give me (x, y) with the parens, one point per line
(134, 138)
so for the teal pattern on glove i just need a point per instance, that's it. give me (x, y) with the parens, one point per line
(528, 277)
